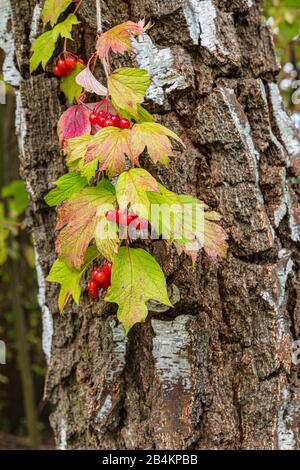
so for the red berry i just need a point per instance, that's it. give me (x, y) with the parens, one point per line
(108, 122)
(61, 64)
(101, 121)
(70, 62)
(118, 212)
(94, 272)
(102, 113)
(100, 277)
(56, 71)
(142, 224)
(116, 120)
(107, 284)
(108, 115)
(81, 61)
(107, 267)
(131, 218)
(94, 118)
(124, 123)
(94, 294)
(111, 216)
(92, 286)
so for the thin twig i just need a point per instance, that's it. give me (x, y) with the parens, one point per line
(99, 17)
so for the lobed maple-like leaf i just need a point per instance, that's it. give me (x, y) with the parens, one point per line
(67, 185)
(188, 223)
(127, 88)
(131, 191)
(53, 9)
(76, 149)
(69, 85)
(118, 38)
(69, 278)
(89, 82)
(155, 138)
(73, 122)
(106, 237)
(42, 51)
(110, 147)
(77, 220)
(64, 28)
(136, 279)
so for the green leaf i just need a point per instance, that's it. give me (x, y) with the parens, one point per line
(144, 115)
(131, 190)
(69, 86)
(136, 279)
(64, 28)
(77, 221)
(53, 9)
(69, 278)
(42, 49)
(67, 185)
(18, 201)
(127, 88)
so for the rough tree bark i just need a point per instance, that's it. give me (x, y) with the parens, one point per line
(215, 372)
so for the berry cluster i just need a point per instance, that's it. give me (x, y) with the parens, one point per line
(100, 279)
(64, 67)
(123, 218)
(104, 119)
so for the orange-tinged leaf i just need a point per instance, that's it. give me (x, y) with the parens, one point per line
(118, 38)
(155, 137)
(110, 146)
(77, 220)
(188, 223)
(127, 88)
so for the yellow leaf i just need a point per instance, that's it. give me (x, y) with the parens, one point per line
(127, 88)
(156, 138)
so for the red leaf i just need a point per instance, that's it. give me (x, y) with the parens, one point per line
(73, 123)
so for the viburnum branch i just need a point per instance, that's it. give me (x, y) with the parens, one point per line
(99, 17)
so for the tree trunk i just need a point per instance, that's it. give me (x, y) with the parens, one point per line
(216, 371)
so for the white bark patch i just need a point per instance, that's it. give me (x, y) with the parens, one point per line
(244, 130)
(10, 73)
(200, 18)
(287, 415)
(159, 64)
(285, 268)
(47, 319)
(282, 209)
(170, 351)
(63, 435)
(20, 125)
(285, 124)
(35, 22)
(115, 368)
